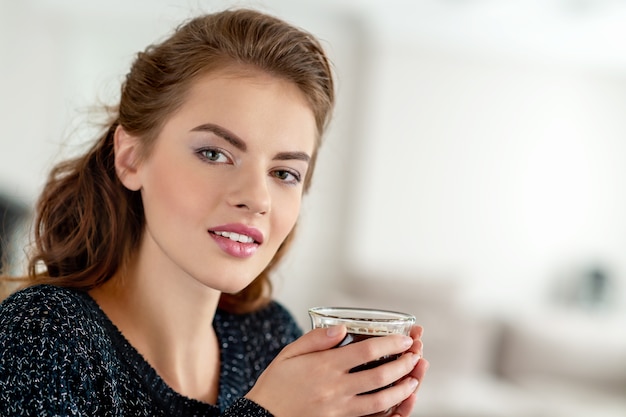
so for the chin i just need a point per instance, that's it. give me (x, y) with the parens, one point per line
(229, 283)
(233, 288)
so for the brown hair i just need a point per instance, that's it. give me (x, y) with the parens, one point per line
(87, 223)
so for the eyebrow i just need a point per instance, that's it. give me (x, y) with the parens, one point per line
(286, 156)
(222, 133)
(241, 145)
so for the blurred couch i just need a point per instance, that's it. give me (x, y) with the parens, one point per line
(554, 363)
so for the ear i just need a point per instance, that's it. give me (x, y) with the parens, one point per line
(126, 158)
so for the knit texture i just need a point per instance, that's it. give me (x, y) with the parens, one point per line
(60, 355)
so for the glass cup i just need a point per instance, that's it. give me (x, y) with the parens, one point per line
(363, 323)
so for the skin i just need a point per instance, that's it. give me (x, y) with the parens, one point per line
(320, 384)
(235, 153)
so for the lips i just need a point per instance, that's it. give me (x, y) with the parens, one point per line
(235, 237)
(237, 240)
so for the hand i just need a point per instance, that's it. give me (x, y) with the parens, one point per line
(406, 407)
(310, 379)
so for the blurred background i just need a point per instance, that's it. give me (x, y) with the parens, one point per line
(474, 175)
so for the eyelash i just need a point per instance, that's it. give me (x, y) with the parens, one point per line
(297, 178)
(202, 154)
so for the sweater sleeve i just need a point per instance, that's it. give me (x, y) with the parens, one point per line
(244, 407)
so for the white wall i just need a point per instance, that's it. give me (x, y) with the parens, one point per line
(493, 172)
(58, 60)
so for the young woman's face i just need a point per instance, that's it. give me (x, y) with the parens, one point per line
(223, 184)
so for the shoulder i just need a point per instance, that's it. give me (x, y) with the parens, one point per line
(45, 315)
(49, 351)
(38, 294)
(40, 306)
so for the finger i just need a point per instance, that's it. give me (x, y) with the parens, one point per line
(314, 341)
(416, 334)
(378, 377)
(417, 347)
(419, 372)
(387, 398)
(406, 407)
(374, 348)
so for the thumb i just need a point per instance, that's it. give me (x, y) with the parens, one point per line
(316, 340)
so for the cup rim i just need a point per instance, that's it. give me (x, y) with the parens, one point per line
(366, 314)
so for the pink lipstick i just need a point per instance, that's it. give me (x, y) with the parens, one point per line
(237, 240)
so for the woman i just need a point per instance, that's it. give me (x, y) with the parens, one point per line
(149, 285)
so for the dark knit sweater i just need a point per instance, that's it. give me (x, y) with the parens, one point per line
(60, 355)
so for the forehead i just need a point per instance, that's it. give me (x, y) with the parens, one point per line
(251, 102)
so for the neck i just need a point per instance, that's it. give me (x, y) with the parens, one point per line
(168, 318)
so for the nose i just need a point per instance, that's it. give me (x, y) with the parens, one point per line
(250, 192)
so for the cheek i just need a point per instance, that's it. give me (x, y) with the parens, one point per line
(173, 192)
(286, 218)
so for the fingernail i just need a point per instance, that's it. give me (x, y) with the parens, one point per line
(415, 359)
(333, 331)
(413, 383)
(407, 341)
